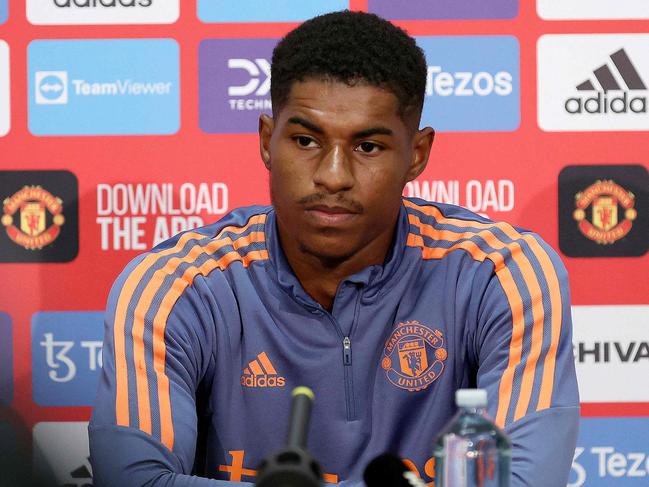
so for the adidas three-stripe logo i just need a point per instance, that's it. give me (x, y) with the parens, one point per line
(261, 373)
(606, 78)
(620, 76)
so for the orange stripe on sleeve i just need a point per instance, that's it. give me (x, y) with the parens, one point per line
(139, 356)
(141, 378)
(548, 270)
(515, 344)
(121, 370)
(438, 252)
(538, 318)
(547, 382)
(143, 304)
(531, 282)
(159, 354)
(160, 323)
(513, 297)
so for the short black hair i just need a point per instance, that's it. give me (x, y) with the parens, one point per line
(351, 47)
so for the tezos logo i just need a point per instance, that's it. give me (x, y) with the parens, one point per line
(610, 452)
(67, 357)
(464, 83)
(39, 216)
(51, 87)
(607, 94)
(413, 356)
(472, 83)
(604, 210)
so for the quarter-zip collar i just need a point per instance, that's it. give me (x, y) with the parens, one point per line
(372, 279)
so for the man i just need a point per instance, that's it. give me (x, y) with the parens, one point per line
(384, 306)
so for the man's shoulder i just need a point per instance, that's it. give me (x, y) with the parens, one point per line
(238, 222)
(446, 214)
(238, 237)
(439, 229)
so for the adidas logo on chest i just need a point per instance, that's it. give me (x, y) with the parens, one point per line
(261, 373)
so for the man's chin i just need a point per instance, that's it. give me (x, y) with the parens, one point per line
(330, 255)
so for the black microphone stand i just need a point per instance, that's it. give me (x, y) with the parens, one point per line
(293, 466)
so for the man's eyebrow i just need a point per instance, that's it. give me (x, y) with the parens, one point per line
(361, 134)
(372, 131)
(305, 123)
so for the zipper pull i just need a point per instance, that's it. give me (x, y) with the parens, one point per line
(347, 351)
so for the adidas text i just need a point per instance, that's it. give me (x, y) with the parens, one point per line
(102, 3)
(602, 103)
(262, 381)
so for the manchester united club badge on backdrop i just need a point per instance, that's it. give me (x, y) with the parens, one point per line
(604, 211)
(40, 216)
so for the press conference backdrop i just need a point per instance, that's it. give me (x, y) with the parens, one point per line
(123, 122)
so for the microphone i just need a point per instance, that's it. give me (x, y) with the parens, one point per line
(387, 470)
(298, 427)
(293, 466)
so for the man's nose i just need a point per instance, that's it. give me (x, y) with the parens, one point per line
(334, 171)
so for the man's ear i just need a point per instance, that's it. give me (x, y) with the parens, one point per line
(422, 142)
(265, 133)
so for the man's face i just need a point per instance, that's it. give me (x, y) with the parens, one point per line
(339, 157)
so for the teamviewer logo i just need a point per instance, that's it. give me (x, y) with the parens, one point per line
(51, 87)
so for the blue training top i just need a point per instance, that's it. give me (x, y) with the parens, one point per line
(207, 334)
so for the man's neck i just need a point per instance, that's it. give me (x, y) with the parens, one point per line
(321, 277)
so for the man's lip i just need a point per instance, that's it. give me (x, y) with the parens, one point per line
(334, 210)
(329, 216)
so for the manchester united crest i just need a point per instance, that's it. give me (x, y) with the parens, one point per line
(611, 209)
(413, 356)
(604, 210)
(33, 217)
(39, 216)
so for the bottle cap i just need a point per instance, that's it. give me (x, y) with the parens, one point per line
(471, 398)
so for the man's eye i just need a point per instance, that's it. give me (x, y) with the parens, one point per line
(369, 148)
(304, 141)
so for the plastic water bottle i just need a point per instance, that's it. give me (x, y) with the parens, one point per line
(471, 451)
